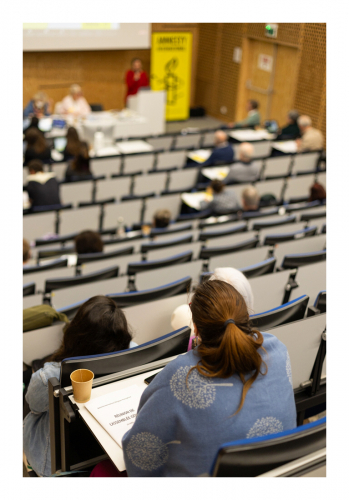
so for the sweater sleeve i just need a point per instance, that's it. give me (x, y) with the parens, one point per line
(37, 394)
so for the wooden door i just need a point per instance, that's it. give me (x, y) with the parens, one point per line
(268, 75)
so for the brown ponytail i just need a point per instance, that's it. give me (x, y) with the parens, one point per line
(226, 349)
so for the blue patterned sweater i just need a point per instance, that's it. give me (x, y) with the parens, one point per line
(178, 430)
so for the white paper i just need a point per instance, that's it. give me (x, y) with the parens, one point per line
(127, 147)
(265, 62)
(285, 146)
(219, 173)
(116, 411)
(193, 199)
(56, 155)
(251, 135)
(200, 155)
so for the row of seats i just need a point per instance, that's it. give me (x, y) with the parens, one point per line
(138, 210)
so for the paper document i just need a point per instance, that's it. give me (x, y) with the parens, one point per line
(193, 199)
(251, 135)
(127, 147)
(219, 173)
(285, 146)
(116, 411)
(200, 155)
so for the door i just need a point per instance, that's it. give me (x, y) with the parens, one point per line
(268, 75)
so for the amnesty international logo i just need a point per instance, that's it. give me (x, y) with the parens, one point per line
(171, 71)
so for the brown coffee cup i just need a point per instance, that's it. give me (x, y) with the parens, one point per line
(81, 381)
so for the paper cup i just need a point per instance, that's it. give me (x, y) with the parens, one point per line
(81, 380)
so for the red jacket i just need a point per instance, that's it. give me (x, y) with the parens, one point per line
(132, 85)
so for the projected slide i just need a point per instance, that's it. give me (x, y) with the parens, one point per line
(85, 36)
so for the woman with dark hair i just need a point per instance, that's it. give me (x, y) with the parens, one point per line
(98, 327)
(73, 144)
(37, 147)
(235, 384)
(79, 166)
(88, 242)
(317, 192)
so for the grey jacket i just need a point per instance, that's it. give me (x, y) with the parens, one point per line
(243, 172)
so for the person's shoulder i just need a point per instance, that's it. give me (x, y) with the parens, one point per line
(272, 342)
(188, 359)
(49, 370)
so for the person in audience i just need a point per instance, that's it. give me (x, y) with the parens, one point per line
(291, 130)
(246, 170)
(312, 139)
(88, 242)
(73, 144)
(37, 147)
(26, 252)
(250, 199)
(34, 123)
(253, 117)
(224, 202)
(182, 316)
(98, 327)
(223, 152)
(40, 105)
(317, 192)
(75, 103)
(162, 218)
(79, 167)
(235, 384)
(42, 187)
(135, 78)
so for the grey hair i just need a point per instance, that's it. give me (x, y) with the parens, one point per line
(246, 150)
(251, 196)
(293, 115)
(304, 121)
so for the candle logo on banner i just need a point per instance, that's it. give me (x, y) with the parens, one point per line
(171, 71)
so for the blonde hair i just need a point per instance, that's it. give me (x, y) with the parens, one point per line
(75, 89)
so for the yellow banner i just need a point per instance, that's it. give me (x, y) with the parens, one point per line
(170, 70)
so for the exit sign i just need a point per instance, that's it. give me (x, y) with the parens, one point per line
(271, 30)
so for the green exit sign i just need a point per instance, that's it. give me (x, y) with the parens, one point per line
(271, 30)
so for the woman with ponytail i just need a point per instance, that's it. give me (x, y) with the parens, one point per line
(235, 384)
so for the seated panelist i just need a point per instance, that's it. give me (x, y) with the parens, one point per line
(75, 103)
(39, 106)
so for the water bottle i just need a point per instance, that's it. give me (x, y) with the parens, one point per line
(120, 228)
(98, 142)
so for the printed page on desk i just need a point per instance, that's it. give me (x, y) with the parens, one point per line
(116, 411)
(200, 155)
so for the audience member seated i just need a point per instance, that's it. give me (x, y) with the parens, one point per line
(88, 242)
(75, 103)
(38, 106)
(161, 218)
(79, 167)
(182, 316)
(291, 130)
(26, 252)
(98, 327)
(37, 147)
(42, 187)
(210, 384)
(246, 170)
(73, 144)
(253, 116)
(224, 202)
(317, 192)
(34, 123)
(312, 139)
(250, 199)
(223, 153)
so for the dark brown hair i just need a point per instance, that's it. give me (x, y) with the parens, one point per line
(162, 218)
(36, 140)
(217, 186)
(254, 104)
(26, 250)
(36, 166)
(73, 142)
(81, 161)
(231, 349)
(88, 242)
(98, 327)
(317, 192)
